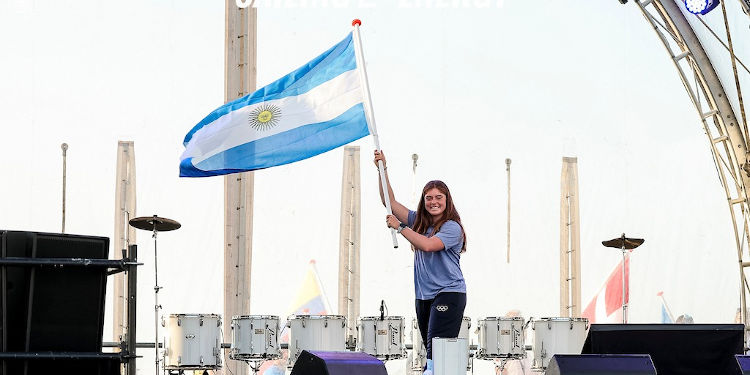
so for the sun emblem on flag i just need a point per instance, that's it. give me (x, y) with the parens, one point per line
(264, 117)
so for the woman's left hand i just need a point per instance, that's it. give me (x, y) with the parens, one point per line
(392, 222)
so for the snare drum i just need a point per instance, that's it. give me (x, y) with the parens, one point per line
(557, 336)
(419, 352)
(193, 342)
(315, 332)
(383, 339)
(501, 338)
(255, 337)
(464, 334)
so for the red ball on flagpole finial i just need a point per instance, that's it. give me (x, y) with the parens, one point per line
(356, 22)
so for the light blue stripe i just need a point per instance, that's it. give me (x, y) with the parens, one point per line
(330, 64)
(283, 148)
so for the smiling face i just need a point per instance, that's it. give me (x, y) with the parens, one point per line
(434, 203)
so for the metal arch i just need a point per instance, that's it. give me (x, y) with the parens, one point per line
(726, 139)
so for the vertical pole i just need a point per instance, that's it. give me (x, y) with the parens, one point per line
(64, 147)
(575, 241)
(132, 293)
(345, 241)
(124, 235)
(370, 116)
(564, 242)
(570, 242)
(349, 241)
(414, 159)
(507, 169)
(239, 79)
(624, 305)
(355, 230)
(157, 307)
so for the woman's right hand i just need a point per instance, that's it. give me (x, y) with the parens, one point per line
(379, 155)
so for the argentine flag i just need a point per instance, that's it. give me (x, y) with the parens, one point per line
(311, 110)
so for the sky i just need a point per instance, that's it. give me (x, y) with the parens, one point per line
(463, 84)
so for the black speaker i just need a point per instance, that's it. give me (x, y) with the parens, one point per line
(51, 308)
(597, 364)
(674, 348)
(744, 362)
(337, 363)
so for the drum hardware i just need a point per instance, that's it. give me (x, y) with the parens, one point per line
(193, 342)
(155, 224)
(624, 244)
(255, 338)
(382, 338)
(508, 341)
(562, 336)
(315, 332)
(463, 333)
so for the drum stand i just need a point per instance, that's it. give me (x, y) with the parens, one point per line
(499, 368)
(155, 224)
(256, 367)
(624, 244)
(157, 306)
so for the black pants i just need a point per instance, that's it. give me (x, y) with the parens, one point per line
(440, 317)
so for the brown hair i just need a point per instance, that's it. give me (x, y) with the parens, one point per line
(424, 219)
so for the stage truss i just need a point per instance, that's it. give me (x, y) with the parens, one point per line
(727, 136)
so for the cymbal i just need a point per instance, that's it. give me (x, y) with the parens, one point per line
(622, 241)
(151, 223)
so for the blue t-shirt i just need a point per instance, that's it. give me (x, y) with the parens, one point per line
(439, 271)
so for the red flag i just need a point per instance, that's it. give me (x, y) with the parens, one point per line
(606, 306)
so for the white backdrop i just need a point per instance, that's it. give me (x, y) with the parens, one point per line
(464, 84)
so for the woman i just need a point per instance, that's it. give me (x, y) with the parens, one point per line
(438, 239)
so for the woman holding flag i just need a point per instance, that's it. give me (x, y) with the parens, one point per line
(438, 239)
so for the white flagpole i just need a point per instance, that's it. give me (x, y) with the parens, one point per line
(370, 116)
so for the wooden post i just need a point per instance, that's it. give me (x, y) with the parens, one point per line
(570, 242)
(124, 236)
(348, 298)
(239, 80)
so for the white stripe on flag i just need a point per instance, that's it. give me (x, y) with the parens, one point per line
(323, 103)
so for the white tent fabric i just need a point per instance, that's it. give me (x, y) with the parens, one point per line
(464, 84)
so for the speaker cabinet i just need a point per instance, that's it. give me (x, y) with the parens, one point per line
(51, 308)
(337, 363)
(744, 362)
(676, 349)
(596, 364)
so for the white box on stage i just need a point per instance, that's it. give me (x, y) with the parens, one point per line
(449, 356)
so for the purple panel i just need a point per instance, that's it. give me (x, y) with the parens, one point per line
(345, 363)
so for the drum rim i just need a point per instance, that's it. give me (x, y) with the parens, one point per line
(240, 356)
(501, 318)
(334, 317)
(195, 315)
(237, 317)
(496, 356)
(388, 356)
(401, 318)
(561, 319)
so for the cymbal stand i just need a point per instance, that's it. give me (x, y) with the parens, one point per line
(255, 368)
(624, 303)
(157, 306)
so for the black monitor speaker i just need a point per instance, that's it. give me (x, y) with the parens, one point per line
(744, 362)
(337, 363)
(597, 364)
